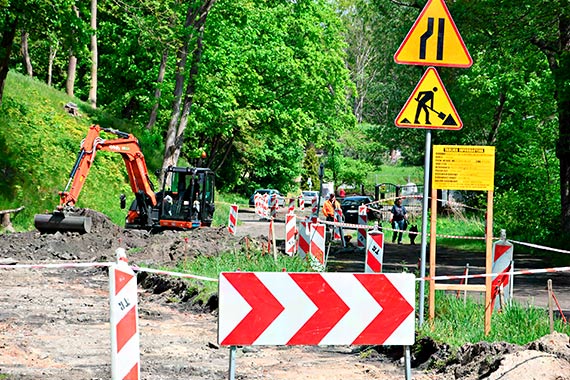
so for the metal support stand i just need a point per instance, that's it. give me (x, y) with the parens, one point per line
(232, 371)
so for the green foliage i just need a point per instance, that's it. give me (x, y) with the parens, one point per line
(310, 169)
(272, 80)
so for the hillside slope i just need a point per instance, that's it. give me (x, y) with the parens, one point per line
(39, 140)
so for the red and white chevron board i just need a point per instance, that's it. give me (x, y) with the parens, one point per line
(302, 203)
(125, 354)
(362, 220)
(304, 238)
(232, 220)
(374, 252)
(280, 308)
(502, 263)
(290, 234)
(317, 247)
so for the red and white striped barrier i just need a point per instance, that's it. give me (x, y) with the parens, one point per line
(362, 220)
(290, 234)
(301, 203)
(125, 354)
(502, 265)
(374, 252)
(314, 209)
(317, 247)
(265, 206)
(273, 205)
(304, 242)
(232, 220)
(291, 208)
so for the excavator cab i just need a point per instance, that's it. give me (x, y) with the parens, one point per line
(189, 201)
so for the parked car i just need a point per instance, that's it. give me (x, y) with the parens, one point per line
(308, 196)
(280, 198)
(350, 205)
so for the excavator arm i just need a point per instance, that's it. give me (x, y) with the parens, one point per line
(127, 146)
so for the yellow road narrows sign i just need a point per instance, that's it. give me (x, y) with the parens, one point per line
(429, 106)
(434, 40)
(458, 167)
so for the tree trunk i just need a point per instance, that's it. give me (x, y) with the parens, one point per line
(94, 56)
(26, 54)
(52, 54)
(8, 35)
(72, 66)
(157, 92)
(195, 19)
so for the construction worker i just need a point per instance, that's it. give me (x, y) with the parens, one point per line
(330, 206)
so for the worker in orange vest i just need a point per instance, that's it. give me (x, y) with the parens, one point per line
(329, 206)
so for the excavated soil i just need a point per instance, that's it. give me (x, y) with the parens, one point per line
(54, 323)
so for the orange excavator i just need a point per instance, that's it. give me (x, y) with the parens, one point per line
(188, 201)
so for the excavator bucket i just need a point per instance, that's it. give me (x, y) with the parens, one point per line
(59, 222)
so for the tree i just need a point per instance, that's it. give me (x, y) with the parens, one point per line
(94, 57)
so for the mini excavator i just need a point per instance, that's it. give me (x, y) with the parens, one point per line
(188, 201)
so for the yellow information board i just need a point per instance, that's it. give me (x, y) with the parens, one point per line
(463, 167)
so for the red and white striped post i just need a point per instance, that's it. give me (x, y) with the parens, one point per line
(315, 209)
(125, 354)
(502, 266)
(317, 247)
(290, 234)
(304, 242)
(232, 220)
(362, 220)
(374, 252)
(301, 203)
(291, 208)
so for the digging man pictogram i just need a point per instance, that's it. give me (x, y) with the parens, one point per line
(423, 98)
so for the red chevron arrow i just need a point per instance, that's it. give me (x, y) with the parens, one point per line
(395, 309)
(330, 309)
(265, 308)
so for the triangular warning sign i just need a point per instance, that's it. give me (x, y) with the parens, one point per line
(434, 40)
(429, 106)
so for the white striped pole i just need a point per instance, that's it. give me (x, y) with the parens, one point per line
(125, 354)
(232, 220)
(290, 234)
(362, 220)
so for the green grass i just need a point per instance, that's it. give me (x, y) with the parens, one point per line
(241, 260)
(456, 323)
(397, 175)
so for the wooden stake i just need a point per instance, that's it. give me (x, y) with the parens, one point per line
(550, 308)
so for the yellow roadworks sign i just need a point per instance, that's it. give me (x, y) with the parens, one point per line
(434, 40)
(429, 106)
(463, 167)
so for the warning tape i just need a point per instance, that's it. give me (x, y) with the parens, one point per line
(482, 275)
(103, 264)
(176, 274)
(540, 247)
(369, 227)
